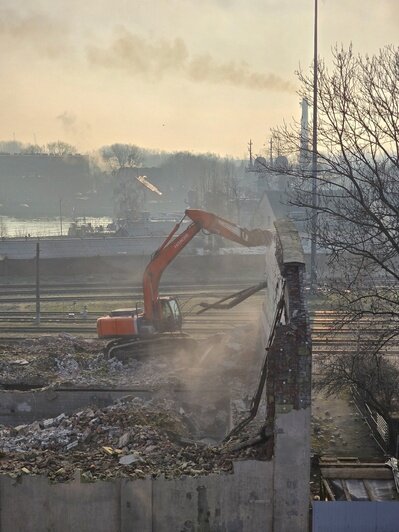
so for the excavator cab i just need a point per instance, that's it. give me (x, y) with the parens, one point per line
(171, 319)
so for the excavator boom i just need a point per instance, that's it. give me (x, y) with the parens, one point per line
(172, 247)
(154, 270)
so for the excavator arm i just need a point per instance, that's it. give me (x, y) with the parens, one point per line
(160, 260)
(174, 244)
(219, 226)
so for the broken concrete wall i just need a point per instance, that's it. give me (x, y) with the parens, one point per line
(240, 502)
(272, 294)
(20, 407)
(288, 386)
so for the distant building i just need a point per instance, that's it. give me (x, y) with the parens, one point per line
(34, 184)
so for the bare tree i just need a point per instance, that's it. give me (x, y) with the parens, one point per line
(60, 148)
(11, 146)
(357, 205)
(368, 369)
(371, 375)
(119, 156)
(33, 149)
(358, 171)
(128, 193)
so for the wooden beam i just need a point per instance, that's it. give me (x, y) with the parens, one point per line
(359, 473)
(328, 490)
(369, 490)
(346, 491)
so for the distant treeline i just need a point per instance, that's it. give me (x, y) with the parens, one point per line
(35, 179)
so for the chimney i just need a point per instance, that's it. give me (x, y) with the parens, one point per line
(304, 138)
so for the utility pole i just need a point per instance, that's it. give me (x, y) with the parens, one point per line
(313, 272)
(250, 153)
(61, 215)
(304, 140)
(271, 151)
(37, 283)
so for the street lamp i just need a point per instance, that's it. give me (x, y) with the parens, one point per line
(313, 271)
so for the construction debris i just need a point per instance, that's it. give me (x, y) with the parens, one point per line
(48, 359)
(132, 438)
(128, 439)
(69, 360)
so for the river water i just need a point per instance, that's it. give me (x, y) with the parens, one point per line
(20, 227)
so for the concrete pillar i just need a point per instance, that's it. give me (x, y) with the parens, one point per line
(289, 390)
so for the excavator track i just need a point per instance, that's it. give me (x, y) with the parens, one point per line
(166, 344)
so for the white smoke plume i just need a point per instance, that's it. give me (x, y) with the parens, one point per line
(34, 30)
(129, 52)
(153, 60)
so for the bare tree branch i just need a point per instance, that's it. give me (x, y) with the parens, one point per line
(357, 211)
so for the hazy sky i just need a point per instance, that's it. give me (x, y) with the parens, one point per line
(168, 74)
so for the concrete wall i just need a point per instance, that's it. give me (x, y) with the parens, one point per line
(239, 502)
(188, 266)
(288, 385)
(79, 247)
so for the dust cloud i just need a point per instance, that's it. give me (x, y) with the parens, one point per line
(217, 377)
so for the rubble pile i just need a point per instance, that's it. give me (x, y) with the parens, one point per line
(65, 359)
(130, 438)
(127, 439)
(47, 359)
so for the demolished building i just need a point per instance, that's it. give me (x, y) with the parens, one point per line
(212, 486)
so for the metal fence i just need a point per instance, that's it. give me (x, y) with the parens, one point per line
(378, 425)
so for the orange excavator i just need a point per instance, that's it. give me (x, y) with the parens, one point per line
(124, 327)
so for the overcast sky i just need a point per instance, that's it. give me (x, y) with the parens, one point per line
(168, 74)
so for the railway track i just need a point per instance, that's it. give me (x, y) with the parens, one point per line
(88, 293)
(123, 285)
(332, 336)
(91, 288)
(16, 323)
